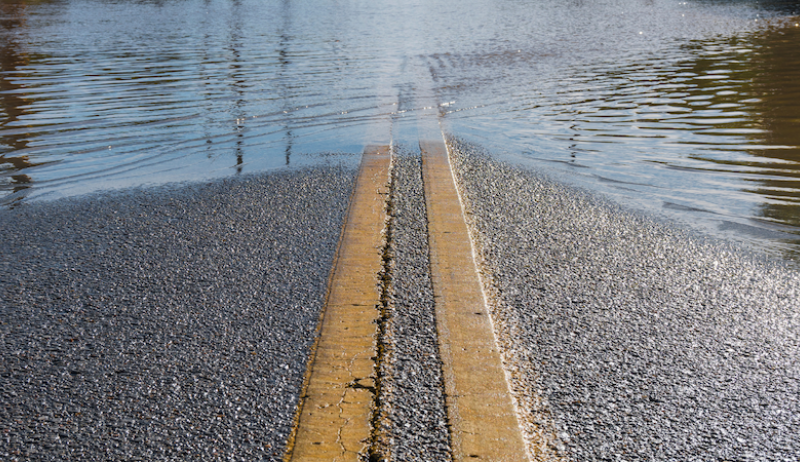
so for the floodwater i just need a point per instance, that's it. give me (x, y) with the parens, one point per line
(687, 109)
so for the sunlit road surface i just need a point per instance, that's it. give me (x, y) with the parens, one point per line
(615, 332)
(337, 404)
(340, 405)
(632, 339)
(482, 416)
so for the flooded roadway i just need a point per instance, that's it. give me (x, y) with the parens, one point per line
(687, 109)
(175, 321)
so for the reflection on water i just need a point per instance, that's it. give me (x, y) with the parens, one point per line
(776, 80)
(13, 101)
(705, 131)
(689, 109)
(115, 94)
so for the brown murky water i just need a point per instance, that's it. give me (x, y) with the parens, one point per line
(704, 131)
(686, 109)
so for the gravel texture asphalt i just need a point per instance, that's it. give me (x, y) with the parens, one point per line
(175, 323)
(626, 339)
(414, 416)
(166, 324)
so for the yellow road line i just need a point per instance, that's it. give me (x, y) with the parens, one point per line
(483, 420)
(337, 406)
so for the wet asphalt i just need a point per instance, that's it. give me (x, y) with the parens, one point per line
(175, 323)
(415, 418)
(627, 339)
(166, 324)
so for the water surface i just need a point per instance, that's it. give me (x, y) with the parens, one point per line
(685, 109)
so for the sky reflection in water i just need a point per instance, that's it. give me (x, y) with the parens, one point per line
(688, 109)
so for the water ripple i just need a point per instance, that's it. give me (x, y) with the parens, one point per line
(692, 104)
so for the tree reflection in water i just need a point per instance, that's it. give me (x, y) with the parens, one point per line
(776, 80)
(12, 101)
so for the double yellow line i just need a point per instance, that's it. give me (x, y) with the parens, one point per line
(334, 421)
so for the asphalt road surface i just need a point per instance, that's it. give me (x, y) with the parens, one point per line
(170, 324)
(175, 323)
(627, 339)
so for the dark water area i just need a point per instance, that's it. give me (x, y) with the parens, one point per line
(684, 109)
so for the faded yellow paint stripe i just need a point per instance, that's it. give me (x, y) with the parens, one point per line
(337, 406)
(483, 420)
